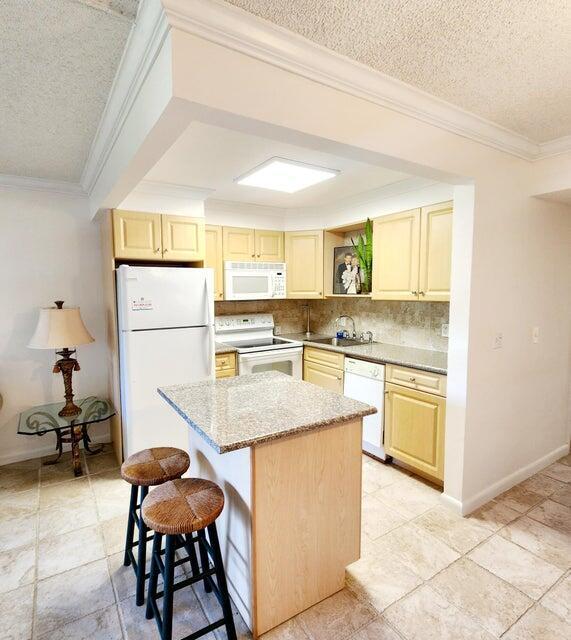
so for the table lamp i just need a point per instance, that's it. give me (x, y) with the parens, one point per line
(58, 327)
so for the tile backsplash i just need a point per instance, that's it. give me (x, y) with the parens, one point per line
(414, 324)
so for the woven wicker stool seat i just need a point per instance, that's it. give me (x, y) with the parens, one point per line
(150, 467)
(183, 506)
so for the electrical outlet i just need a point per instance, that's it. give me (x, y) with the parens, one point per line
(498, 341)
(277, 330)
(444, 330)
(535, 335)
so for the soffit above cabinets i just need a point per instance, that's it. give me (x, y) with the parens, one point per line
(212, 158)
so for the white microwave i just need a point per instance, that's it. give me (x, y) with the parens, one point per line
(254, 280)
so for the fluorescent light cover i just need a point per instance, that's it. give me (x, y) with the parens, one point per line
(279, 174)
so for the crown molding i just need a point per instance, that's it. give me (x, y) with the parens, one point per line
(555, 147)
(144, 43)
(246, 33)
(23, 183)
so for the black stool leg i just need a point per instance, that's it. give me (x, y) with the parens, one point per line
(142, 553)
(204, 559)
(130, 525)
(152, 594)
(221, 580)
(191, 550)
(168, 587)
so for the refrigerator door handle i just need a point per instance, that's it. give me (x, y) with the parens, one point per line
(210, 324)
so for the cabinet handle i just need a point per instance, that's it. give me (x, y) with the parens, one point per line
(339, 378)
(414, 293)
(412, 379)
(422, 293)
(319, 293)
(164, 251)
(157, 250)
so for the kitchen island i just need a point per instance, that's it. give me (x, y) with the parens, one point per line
(287, 455)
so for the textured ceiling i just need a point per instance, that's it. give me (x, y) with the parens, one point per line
(59, 58)
(506, 60)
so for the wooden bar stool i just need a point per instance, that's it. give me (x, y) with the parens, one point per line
(182, 508)
(144, 469)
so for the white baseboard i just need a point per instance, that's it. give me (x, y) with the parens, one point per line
(451, 502)
(466, 507)
(46, 449)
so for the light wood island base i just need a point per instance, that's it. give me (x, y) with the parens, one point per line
(292, 519)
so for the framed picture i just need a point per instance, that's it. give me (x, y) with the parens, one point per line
(346, 271)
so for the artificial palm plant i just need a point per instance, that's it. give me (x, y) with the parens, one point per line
(364, 249)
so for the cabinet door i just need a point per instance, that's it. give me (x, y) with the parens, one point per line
(322, 376)
(183, 238)
(213, 257)
(137, 235)
(395, 256)
(414, 429)
(269, 246)
(435, 252)
(304, 264)
(238, 244)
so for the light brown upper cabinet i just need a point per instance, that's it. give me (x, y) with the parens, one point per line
(137, 235)
(152, 236)
(396, 241)
(183, 238)
(412, 254)
(435, 252)
(269, 245)
(253, 245)
(304, 263)
(239, 244)
(213, 257)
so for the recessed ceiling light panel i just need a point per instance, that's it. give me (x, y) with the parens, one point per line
(289, 176)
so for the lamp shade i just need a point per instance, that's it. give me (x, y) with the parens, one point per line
(59, 328)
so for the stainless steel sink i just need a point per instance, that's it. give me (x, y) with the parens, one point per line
(337, 342)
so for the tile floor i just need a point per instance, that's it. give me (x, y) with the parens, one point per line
(425, 573)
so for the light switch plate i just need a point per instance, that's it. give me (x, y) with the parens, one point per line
(277, 330)
(535, 333)
(444, 330)
(498, 341)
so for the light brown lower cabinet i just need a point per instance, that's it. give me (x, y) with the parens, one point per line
(323, 376)
(414, 429)
(225, 365)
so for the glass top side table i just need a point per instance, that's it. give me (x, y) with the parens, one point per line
(40, 420)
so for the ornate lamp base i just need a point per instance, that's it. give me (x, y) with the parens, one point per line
(66, 366)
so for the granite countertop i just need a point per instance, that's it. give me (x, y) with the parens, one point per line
(424, 359)
(233, 413)
(220, 347)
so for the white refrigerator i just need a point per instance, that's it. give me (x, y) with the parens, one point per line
(166, 336)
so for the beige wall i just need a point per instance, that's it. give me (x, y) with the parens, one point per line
(414, 324)
(49, 250)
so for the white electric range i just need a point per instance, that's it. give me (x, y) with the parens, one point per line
(258, 349)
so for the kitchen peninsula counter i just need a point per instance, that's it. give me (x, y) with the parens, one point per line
(287, 455)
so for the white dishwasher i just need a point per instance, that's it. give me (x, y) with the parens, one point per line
(365, 381)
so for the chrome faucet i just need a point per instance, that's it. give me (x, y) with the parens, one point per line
(351, 335)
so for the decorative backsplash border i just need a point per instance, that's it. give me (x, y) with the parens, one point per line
(413, 324)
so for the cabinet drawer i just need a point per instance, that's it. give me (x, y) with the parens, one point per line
(225, 361)
(225, 373)
(322, 376)
(322, 356)
(416, 379)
